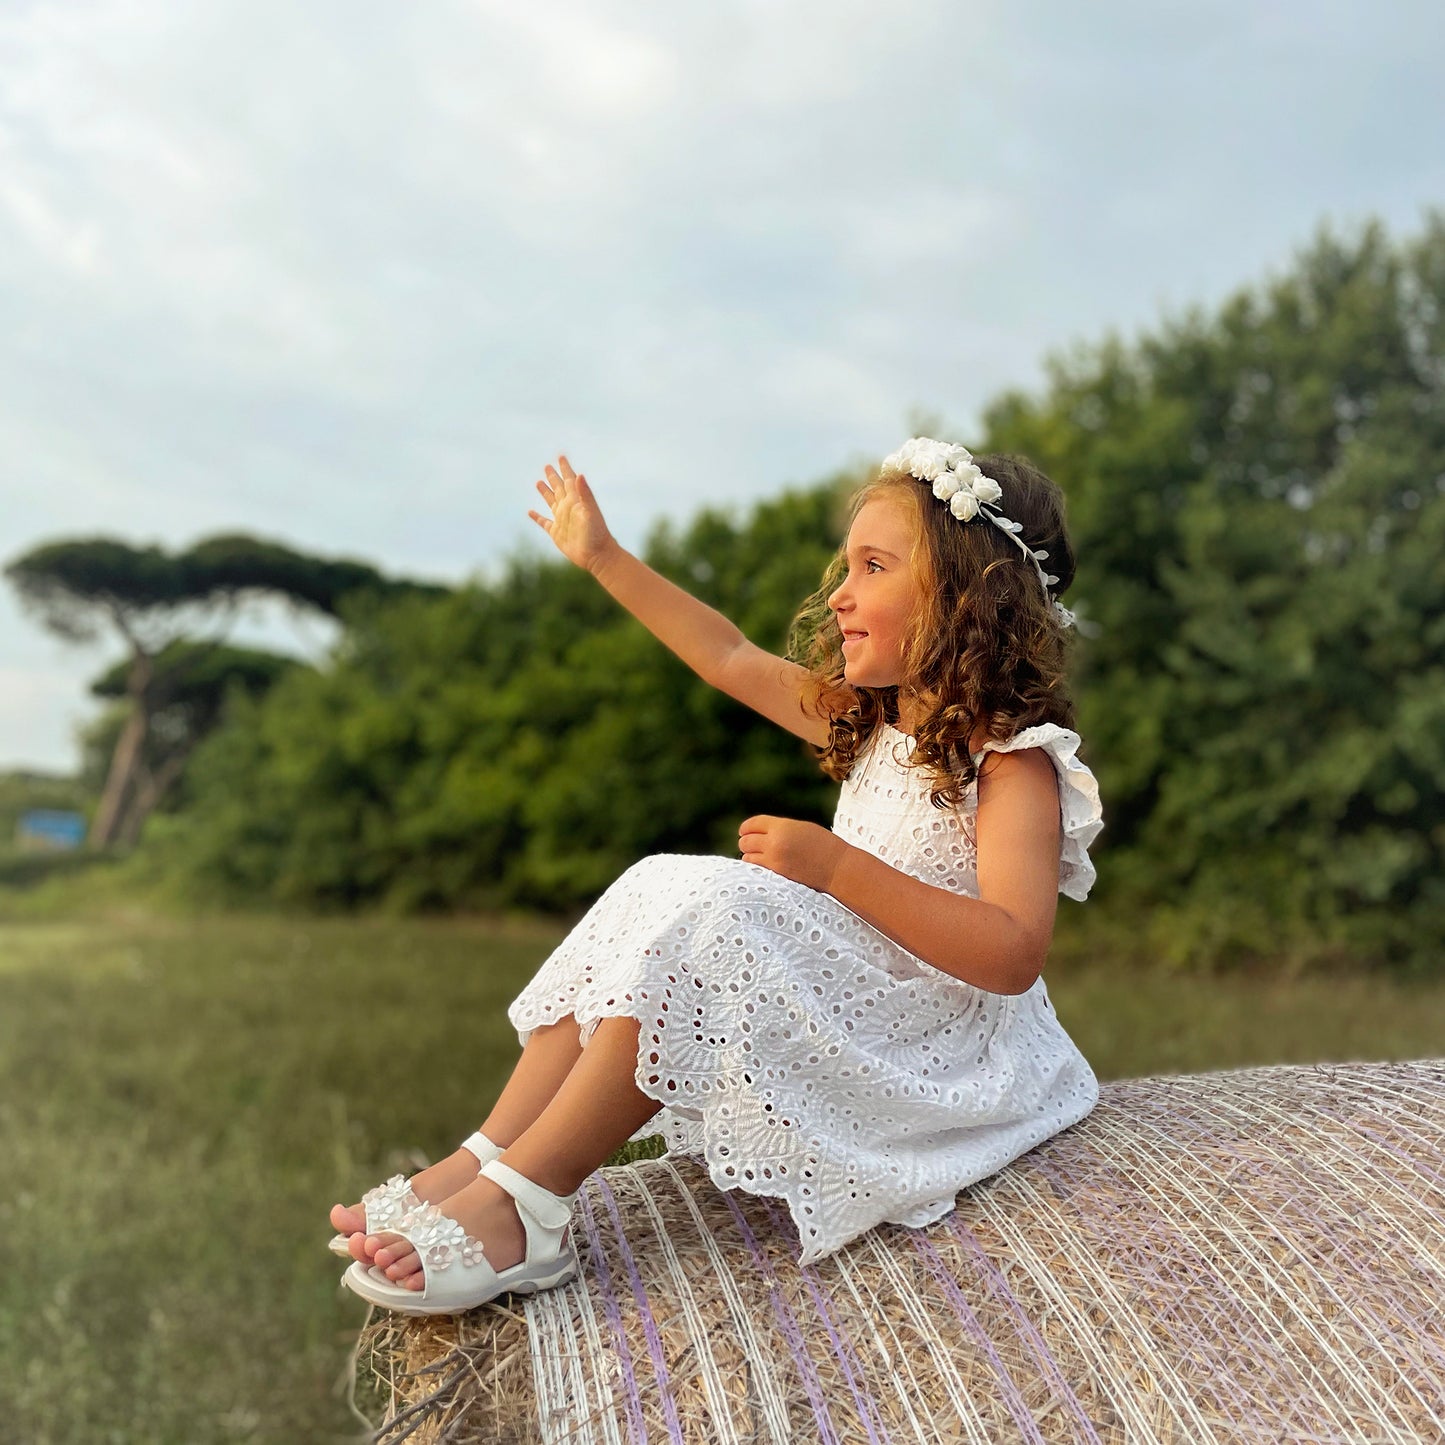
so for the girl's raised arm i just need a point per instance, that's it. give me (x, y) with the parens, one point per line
(700, 635)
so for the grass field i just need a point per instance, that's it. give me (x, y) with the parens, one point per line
(182, 1101)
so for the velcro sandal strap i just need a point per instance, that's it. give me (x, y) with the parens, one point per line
(550, 1210)
(481, 1146)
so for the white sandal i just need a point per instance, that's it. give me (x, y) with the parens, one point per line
(457, 1274)
(384, 1205)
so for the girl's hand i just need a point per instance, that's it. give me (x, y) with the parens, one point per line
(804, 852)
(576, 524)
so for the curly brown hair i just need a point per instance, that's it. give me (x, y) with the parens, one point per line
(985, 651)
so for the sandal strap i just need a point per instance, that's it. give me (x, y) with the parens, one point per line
(484, 1149)
(550, 1211)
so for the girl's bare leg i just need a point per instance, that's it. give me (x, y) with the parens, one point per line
(597, 1108)
(548, 1059)
(551, 1052)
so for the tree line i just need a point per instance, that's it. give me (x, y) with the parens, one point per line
(1256, 495)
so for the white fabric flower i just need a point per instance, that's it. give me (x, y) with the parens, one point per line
(986, 489)
(963, 504)
(926, 459)
(930, 461)
(946, 486)
(900, 463)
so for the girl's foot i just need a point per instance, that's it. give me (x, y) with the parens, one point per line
(431, 1186)
(484, 1209)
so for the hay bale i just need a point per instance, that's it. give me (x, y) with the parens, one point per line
(1251, 1255)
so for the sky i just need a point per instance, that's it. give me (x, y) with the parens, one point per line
(348, 276)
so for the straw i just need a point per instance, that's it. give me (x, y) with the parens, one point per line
(1255, 1255)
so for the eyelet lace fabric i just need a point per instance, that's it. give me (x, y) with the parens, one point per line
(803, 1054)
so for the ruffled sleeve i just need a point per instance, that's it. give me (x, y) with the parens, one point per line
(1080, 807)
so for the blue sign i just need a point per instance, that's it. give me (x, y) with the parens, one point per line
(50, 828)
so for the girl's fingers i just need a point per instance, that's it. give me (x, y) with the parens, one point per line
(553, 486)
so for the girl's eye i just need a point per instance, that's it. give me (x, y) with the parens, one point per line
(874, 562)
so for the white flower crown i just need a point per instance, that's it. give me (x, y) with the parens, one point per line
(958, 481)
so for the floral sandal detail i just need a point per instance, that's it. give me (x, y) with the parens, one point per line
(383, 1206)
(456, 1272)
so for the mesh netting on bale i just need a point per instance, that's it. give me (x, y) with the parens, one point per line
(1251, 1255)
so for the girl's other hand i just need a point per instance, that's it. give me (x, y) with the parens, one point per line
(576, 524)
(805, 852)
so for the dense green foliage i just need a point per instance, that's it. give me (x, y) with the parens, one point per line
(517, 744)
(1258, 503)
(1257, 500)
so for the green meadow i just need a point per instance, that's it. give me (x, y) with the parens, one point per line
(183, 1100)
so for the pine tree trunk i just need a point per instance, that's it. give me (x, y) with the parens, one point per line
(124, 760)
(150, 789)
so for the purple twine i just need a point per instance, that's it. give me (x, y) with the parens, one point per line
(827, 1435)
(644, 1309)
(636, 1431)
(998, 1287)
(867, 1406)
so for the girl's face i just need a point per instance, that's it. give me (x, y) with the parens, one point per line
(877, 597)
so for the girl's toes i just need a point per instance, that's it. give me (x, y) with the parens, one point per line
(347, 1221)
(357, 1245)
(408, 1264)
(382, 1249)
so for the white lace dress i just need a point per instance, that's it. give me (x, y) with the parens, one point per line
(804, 1054)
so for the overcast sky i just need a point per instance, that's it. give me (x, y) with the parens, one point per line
(348, 275)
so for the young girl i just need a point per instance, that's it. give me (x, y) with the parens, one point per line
(852, 1020)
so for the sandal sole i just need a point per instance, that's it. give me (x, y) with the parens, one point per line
(386, 1295)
